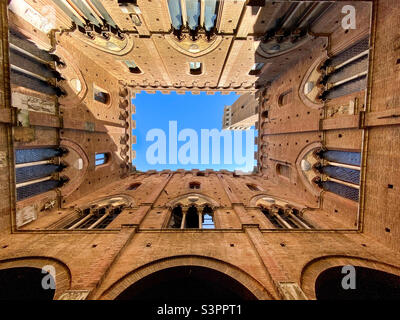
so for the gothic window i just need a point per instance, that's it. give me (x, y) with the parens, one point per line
(256, 69)
(340, 172)
(37, 171)
(208, 218)
(194, 185)
(101, 158)
(94, 217)
(195, 68)
(192, 218)
(176, 218)
(100, 95)
(288, 218)
(134, 186)
(346, 72)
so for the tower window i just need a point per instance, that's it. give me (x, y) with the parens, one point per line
(283, 170)
(285, 98)
(256, 69)
(207, 218)
(196, 68)
(133, 68)
(253, 187)
(194, 185)
(101, 158)
(100, 95)
(134, 186)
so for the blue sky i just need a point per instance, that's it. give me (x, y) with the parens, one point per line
(156, 111)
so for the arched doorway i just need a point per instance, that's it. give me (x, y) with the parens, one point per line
(24, 283)
(369, 284)
(186, 283)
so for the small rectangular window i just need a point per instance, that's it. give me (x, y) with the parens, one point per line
(256, 69)
(100, 95)
(132, 66)
(101, 158)
(195, 68)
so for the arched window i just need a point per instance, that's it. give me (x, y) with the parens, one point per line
(134, 186)
(176, 218)
(192, 218)
(285, 218)
(34, 172)
(101, 158)
(341, 172)
(194, 185)
(207, 218)
(95, 217)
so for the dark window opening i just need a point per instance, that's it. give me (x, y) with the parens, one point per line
(253, 187)
(101, 96)
(265, 114)
(256, 69)
(192, 218)
(194, 185)
(196, 68)
(134, 186)
(176, 218)
(133, 68)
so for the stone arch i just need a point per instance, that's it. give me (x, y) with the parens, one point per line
(306, 176)
(62, 272)
(247, 281)
(315, 267)
(202, 199)
(258, 198)
(70, 71)
(76, 171)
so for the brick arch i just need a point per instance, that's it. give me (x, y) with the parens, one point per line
(311, 187)
(315, 267)
(253, 201)
(76, 176)
(254, 286)
(63, 274)
(202, 196)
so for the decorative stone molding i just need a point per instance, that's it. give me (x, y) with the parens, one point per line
(291, 291)
(74, 295)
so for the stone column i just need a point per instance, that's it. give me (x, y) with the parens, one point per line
(184, 212)
(200, 214)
